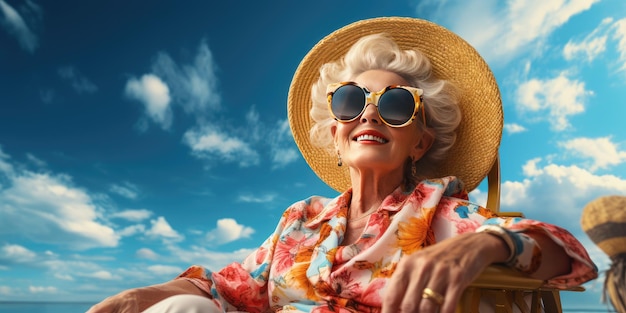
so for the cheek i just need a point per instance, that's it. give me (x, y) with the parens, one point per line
(341, 133)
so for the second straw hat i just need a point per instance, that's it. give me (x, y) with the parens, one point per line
(604, 221)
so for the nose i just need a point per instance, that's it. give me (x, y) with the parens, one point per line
(370, 114)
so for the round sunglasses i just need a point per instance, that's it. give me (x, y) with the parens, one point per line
(397, 105)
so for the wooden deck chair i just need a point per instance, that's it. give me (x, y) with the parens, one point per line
(508, 286)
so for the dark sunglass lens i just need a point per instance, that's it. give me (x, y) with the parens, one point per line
(347, 102)
(396, 106)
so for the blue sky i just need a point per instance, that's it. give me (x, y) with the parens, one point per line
(139, 137)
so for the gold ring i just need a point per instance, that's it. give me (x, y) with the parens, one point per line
(432, 295)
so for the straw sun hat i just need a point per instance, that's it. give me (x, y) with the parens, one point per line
(452, 58)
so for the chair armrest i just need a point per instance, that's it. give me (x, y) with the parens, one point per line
(501, 277)
(508, 288)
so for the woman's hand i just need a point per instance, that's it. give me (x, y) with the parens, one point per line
(446, 268)
(138, 299)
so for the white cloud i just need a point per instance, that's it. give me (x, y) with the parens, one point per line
(516, 27)
(478, 197)
(210, 143)
(554, 100)
(102, 275)
(16, 254)
(282, 148)
(71, 269)
(133, 215)
(620, 36)
(256, 199)
(5, 166)
(78, 82)
(48, 208)
(126, 190)
(602, 152)
(228, 230)
(145, 253)
(33, 159)
(513, 128)
(557, 193)
(15, 25)
(165, 270)
(193, 86)
(162, 229)
(208, 258)
(589, 47)
(42, 289)
(154, 94)
(132, 230)
(278, 137)
(65, 277)
(512, 192)
(6, 290)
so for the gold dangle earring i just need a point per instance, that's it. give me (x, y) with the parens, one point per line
(413, 168)
(339, 162)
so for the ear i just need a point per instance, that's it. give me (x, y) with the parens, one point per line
(423, 145)
(333, 132)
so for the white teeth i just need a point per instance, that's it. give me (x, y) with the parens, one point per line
(370, 138)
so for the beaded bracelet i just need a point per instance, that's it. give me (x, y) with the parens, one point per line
(525, 253)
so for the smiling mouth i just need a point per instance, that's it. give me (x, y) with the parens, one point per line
(371, 138)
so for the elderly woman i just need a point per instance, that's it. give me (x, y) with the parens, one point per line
(392, 119)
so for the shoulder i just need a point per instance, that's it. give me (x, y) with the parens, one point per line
(309, 207)
(448, 186)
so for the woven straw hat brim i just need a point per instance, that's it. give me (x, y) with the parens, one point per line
(452, 58)
(604, 221)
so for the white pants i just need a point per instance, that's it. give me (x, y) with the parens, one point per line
(198, 304)
(184, 304)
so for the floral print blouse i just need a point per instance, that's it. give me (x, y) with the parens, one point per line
(302, 267)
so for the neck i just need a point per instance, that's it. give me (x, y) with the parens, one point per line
(369, 189)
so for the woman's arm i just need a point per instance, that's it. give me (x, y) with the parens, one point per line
(138, 299)
(559, 262)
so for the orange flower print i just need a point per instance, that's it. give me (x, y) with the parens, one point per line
(380, 270)
(194, 272)
(325, 230)
(486, 212)
(304, 253)
(296, 276)
(363, 265)
(412, 234)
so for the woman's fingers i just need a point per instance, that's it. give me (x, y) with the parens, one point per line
(433, 279)
(397, 289)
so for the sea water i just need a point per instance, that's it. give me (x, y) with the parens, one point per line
(43, 307)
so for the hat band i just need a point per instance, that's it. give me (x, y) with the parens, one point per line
(606, 231)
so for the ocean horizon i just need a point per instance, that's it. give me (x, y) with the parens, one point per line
(82, 307)
(44, 307)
